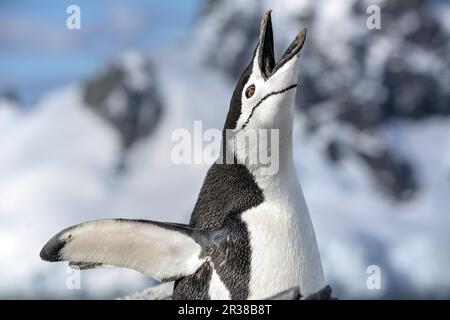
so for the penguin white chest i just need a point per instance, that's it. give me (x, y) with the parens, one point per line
(284, 250)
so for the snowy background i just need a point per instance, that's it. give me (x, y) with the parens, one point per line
(86, 118)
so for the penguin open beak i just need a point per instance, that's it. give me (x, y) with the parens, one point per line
(266, 55)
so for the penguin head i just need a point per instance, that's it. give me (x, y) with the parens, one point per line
(264, 95)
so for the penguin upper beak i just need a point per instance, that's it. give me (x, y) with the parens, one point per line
(266, 55)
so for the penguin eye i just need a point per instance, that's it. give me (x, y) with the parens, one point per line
(250, 91)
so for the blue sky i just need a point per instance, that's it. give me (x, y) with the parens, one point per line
(38, 52)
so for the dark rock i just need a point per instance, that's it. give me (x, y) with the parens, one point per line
(395, 175)
(10, 96)
(134, 109)
(323, 294)
(412, 94)
(334, 151)
(290, 294)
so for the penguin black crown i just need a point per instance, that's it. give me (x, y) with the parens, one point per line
(250, 235)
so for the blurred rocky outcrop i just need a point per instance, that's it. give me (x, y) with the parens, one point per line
(349, 74)
(10, 96)
(126, 95)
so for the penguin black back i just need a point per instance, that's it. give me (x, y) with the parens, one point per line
(227, 191)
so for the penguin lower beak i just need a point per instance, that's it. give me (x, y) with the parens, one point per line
(266, 55)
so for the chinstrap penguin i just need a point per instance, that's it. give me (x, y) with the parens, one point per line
(250, 235)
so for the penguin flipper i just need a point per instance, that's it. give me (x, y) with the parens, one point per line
(160, 250)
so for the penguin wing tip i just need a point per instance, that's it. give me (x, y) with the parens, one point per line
(302, 35)
(51, 250)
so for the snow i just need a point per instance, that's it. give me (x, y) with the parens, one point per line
(58, 165)
(357, 227)
(135, 65)
(55, 163)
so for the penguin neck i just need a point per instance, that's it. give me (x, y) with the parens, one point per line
(272, 151)
(282, 182)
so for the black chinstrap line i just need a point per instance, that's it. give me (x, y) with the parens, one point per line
(264, 98)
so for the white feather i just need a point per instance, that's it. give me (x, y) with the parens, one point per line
(217, 289)
(150, 249)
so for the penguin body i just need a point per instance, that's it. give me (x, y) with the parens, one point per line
(277, 246)
(250, 235)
